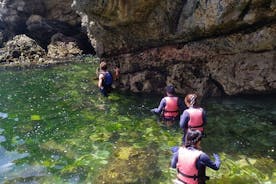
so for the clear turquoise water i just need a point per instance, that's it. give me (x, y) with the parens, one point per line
(55, 127)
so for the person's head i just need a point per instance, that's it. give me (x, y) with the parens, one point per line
(192, 138)
(170, 90)
(103, 65)
(191, 100)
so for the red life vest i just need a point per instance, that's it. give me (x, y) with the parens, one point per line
(196, 118)
(186, 165)
(171, 108)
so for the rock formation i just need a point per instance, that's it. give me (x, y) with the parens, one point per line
(40, 20)
(207, 46)
(63, 47)
(22, 50)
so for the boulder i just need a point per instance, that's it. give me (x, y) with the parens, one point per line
(62, 46)
(21, 50)
(40, 20)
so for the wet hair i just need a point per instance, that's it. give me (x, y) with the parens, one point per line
(103, 65)
(191, 100)
(192, 137)
(170, 89)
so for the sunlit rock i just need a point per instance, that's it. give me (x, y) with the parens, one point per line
(207, 47)
(241, 63)
(62, 46)
(21, 49)
(40, 20)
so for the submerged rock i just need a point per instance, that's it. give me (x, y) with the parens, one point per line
(131, 165)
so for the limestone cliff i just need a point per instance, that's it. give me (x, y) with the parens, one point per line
(40, 20)
(206, 46)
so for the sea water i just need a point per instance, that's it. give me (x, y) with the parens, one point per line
(55, 127)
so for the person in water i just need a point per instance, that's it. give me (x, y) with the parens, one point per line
(170, 107)
(194, 117)
(116, 77)
(191, 162)
(105, 79)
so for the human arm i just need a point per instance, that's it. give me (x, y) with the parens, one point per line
(116, 73)
(174, 159)
(160, 107)
(205, 160)
(100, 82)
(184, 119)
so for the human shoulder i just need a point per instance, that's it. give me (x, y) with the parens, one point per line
(163, 100)
(101, 75)
(201, 109)
(203, 156)
(186, 111)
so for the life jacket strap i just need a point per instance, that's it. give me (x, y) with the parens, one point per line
(182, 181)
(188, 176)
(170, 111)
(169, 118)
(195, 126)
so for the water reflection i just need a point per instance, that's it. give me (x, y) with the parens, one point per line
(10, 170)
(3, 115)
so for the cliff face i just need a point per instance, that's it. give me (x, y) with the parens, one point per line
(206, 46)
(40, 20)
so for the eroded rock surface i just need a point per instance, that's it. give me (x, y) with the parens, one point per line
(234, 64)
(22, 49)
(205, 46)
(40, 20)
(209, 47)
(62, 46)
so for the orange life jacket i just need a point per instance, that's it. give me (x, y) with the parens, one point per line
(171, 108)
(186, 165)
(196, 118)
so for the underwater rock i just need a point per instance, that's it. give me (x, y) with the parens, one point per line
(131, 165)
